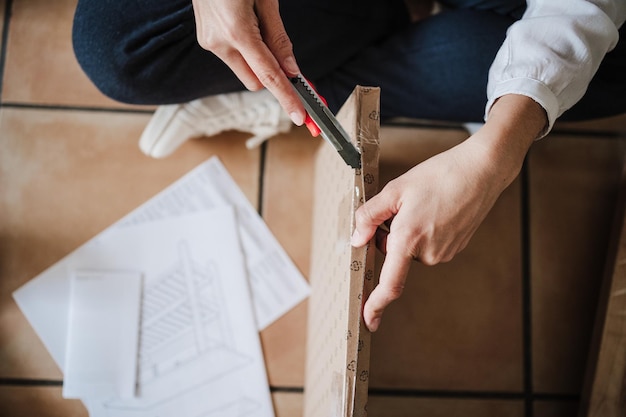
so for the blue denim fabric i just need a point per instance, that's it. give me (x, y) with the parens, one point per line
(435, 69)
(145, 52)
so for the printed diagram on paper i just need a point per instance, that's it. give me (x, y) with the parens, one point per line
(214, 275)
(199, 349)
(275, 283)
(183, 319)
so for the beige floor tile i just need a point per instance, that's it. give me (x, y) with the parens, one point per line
(19, 401)
(40, 64)
(287, 404)
(457, 325)
(379, 406)
(573, 184)
(555, 408)
(287, 205)
(288, 192)
(64, 177)
(284, 348)
(22, 354)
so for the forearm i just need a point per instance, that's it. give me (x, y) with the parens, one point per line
(552, 53)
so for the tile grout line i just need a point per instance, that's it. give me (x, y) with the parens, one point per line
(25, 382)
(574, 134)
(424, 124)
(287, 390)
(57, 383)
(380, 392)
(262, 157)
(557, 131)
(526, 293)
(8, 7)
(59, 107)
(486, 395)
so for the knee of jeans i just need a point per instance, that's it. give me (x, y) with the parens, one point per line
(108, 71)
(128, 50)
(130, 60)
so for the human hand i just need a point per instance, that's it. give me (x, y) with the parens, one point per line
(249, 36)
(431, 211)
(434, 209)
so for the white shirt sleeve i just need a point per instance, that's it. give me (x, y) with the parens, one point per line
(551, 54)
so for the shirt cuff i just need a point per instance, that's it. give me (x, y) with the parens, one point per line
(528, 87)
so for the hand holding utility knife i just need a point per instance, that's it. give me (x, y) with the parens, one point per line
(326, 122)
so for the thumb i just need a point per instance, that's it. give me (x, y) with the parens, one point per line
(370, 215)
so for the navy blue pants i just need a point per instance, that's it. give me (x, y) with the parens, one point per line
(145, 52)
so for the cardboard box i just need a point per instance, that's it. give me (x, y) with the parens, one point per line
(338, 343)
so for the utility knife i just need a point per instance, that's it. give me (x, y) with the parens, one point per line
(328, 125)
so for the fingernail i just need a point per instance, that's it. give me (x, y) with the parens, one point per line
(355, 239)
(374, 324)
(291, 66)
(296, 118)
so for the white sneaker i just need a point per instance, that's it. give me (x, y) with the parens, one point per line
(472, 127)
(255, 112)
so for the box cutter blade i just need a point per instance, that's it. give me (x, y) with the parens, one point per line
(329, 126)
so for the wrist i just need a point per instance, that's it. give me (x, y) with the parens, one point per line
(512, 126)
(518, 117)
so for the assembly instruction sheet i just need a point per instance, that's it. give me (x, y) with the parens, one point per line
(268, 283)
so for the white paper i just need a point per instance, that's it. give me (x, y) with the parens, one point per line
(275, 282)
(102, 343)
(199, 349)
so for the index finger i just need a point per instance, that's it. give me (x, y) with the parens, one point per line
(390, 287)
(266, 68)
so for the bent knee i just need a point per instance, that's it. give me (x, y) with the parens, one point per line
(127, 54)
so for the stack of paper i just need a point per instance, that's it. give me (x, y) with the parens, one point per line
(213, 275)
(103, 335)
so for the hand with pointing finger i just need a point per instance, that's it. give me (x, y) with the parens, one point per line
(434, 209)
(249, 36)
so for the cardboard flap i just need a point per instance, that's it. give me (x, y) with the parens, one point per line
(338, 344)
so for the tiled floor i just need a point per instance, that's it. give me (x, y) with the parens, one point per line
(502, 330)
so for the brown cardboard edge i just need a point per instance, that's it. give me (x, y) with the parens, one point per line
(346, 393)
(362, 265)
